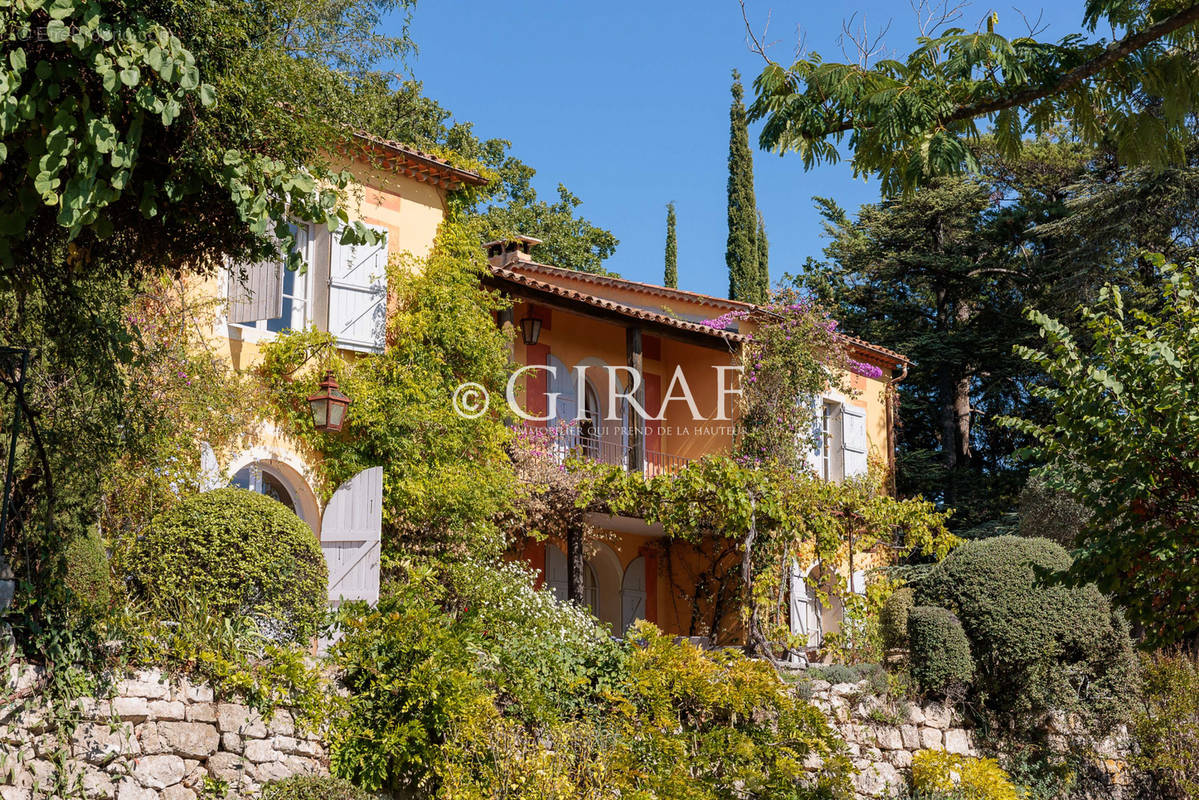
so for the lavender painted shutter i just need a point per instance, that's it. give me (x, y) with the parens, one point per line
(350, 531)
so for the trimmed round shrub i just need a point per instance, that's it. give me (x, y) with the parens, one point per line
(1039, 645)
(939, 651)
(308, 788)
(893, 619)
(1049, 513)
(233, 552)
(87, 573)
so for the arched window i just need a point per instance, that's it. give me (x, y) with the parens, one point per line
(258, 477)
(632, 594)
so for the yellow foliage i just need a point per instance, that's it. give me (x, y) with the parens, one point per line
(966, 777)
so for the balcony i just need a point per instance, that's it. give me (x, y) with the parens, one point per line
(603, 445)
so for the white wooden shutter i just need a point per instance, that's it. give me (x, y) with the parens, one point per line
(555, 572)
(255, 291)
(805, 608)
(632, 594)
(350, 531)
(358, 294)
(853, 440)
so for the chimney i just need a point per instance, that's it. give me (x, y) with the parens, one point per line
(502, 252)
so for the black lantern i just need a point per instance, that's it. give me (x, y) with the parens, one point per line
(328, 405)
(530, 329)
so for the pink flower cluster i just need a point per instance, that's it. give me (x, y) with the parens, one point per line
(726, 320)
(864, 369)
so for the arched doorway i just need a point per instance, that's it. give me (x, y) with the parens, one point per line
(278, 481)
(601, 580)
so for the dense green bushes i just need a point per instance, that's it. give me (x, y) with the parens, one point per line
(1166, 726)
(940, 652)
(87, 572)
(1038, 645)
(893, 619)
(466, 683)
(236, 553)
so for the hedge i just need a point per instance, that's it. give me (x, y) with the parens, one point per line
(308, 788)
(893, 620)
(234, 553)
(1039, 645)
(939, 651)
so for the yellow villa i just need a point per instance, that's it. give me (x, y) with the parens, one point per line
(582, 335)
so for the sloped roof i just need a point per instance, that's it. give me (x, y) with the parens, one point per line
(541, 277)
(422, 166)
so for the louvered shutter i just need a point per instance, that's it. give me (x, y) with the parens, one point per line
(853, 440)
(805, 608)
(256, 292)
(555, 572)
(632, 594)
(358, 294)
(350, 531)
(811, 441)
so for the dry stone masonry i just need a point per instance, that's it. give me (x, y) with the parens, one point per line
(882, 736)
(152, 740)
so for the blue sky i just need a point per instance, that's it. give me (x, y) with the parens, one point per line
(627, 104)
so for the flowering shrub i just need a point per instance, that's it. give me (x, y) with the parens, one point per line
(937, 774)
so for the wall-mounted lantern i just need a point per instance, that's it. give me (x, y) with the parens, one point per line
(530, 330)
(329, 405)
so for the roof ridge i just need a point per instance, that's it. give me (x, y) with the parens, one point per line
(649, 288)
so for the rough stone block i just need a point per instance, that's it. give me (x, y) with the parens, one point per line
(930, 739)
(231, 742)
(14, 793)
(97, 785)
(196, 692)
(260, 751)
(149, 684)
(271, 771)
(91, 708)
(169, 710)
(99, 743)
(914, 713)
(235, 718)
(937, 715)
(876, 779)
(957, 741)
(135, 709)
(189, 739)
(281, 723)
(888, 738)
(201, 712)
(301, 766)
(132, 790)
(177, 792)
(151, 742)
(911, 736)
(900, 759)
(159, 772)
(227, 767)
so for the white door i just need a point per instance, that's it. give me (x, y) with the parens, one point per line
(632, 594)
(358, 294)
(350, 531)
(805, 608)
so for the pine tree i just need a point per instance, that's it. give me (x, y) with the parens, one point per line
(741, 255)
(672, 250)
(763, 259)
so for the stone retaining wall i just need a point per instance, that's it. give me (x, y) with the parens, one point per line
(882, 736)
(153, 740)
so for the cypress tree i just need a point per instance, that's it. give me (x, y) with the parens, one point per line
(741, 254)
(672, 250)
(763, 259)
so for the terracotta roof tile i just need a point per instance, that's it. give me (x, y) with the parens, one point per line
(520, 268)
(418, 162)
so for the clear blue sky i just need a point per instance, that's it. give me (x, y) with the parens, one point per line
(627, 104)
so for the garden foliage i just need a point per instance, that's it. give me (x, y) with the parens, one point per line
(239, 553)
(893, 618)
(1123, 390)
(471, 684)
(940, 652)
(1165, 729)
(304, 788)
(1038, 645)
(937, 775)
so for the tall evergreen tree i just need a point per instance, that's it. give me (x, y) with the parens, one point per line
(741, 254)
(763, 259)
(671, 277)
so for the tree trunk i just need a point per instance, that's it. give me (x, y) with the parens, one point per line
(575, 564)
